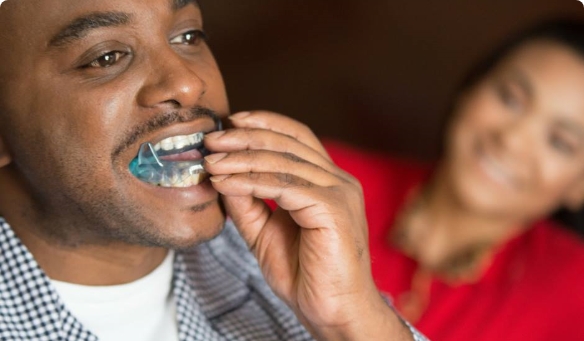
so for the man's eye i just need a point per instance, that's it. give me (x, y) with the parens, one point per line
(193, 37)
(108, 59)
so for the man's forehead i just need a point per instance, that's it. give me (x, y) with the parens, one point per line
(36, 18)
(174, 3)
(39, 8)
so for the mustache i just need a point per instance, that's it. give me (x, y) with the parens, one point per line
(162, 121)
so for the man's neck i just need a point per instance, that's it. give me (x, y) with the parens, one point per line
(91, 264)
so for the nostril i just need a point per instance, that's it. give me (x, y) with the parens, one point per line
(176, 104)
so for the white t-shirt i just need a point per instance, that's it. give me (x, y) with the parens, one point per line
(143, 310)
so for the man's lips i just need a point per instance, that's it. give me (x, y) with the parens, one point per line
(171, 151)
(174, 161)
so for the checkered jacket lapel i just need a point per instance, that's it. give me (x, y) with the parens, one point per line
(30, 308)
(221, 295)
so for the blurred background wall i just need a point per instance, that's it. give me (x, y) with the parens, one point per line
(378, 74)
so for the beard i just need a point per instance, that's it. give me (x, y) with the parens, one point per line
(81, 198)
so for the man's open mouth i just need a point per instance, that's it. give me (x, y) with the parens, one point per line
(173, 162)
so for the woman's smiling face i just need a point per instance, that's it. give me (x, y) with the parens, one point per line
(515, 147)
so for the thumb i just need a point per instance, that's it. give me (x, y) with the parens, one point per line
(249, 214)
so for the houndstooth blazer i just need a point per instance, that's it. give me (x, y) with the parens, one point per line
(219, 291)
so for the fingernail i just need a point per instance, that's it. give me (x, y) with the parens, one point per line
(214, 158)
(215, 134)
(219, 178)
(240, 115)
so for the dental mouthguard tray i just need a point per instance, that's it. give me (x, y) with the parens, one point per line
(154, 166)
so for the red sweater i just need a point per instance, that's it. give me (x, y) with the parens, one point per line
(533, 290)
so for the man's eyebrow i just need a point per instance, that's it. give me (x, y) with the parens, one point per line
(80, 27)
(178, 4)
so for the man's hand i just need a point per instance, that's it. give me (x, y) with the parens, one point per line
(313, 249)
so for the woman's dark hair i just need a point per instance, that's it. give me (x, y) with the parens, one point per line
(568, 32)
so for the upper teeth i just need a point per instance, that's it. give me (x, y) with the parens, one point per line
(179, 142)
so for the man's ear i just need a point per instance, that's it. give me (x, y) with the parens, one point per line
(574, 201)
(5, 157)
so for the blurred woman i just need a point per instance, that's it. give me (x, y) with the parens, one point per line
(463, 247)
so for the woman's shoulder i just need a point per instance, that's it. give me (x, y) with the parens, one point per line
(553, 241)
(551, 253)
(555, 257)
(558, 262)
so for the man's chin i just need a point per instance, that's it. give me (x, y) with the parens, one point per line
(186, 243)
(205, 223)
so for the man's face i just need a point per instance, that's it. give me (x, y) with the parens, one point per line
(83, 83)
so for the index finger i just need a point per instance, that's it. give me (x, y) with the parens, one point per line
(281, 124)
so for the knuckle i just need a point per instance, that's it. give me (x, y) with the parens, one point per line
(285, 179)
(353, 181)
(247, 132)
(254, 176)
(300, 130)
(293, 157)
(304, 128)
(346, 195)
(250, 153)
(291, 138)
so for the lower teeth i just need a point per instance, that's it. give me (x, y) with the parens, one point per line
(191, 180)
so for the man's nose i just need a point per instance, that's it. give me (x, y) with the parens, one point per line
(172, 81)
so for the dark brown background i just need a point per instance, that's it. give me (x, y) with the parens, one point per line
(378, 74)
